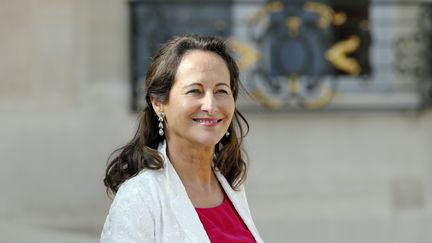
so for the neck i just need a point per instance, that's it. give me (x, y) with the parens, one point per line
(193, 164)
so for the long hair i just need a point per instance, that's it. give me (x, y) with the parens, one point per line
(141, 152)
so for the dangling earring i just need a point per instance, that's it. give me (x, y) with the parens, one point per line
(160, 119)
(227, 134)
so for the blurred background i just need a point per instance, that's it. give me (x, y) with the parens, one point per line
(340, 143)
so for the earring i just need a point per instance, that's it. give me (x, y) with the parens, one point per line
(160, 119)
(227, 134)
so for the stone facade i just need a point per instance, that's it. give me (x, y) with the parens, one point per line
(64, 93)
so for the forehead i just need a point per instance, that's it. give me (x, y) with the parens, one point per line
(202, 65)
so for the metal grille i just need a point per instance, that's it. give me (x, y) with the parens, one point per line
(303, 55)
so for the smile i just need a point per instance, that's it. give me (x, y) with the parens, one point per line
(208, 121)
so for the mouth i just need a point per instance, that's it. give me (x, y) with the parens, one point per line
(207, 121)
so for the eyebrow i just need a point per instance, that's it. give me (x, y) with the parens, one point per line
(222, 84)
(200, 84)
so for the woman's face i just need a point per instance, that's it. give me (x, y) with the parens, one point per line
(201, 104)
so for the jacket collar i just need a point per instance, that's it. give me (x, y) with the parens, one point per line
(185, 211)
(238, 199)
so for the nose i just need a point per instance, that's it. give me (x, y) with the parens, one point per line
(209, 104)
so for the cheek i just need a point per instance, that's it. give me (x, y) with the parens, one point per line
(189, 108)
(185, 109)
(230, 108)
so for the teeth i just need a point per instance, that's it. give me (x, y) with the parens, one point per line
(207, 121)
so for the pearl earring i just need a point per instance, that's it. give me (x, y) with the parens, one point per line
(227, 134)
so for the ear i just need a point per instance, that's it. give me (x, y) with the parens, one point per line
(158, 107)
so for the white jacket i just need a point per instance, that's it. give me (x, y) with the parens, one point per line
(154, 207)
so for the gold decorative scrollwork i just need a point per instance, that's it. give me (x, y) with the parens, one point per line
(339, 18)
(248, 55)
(293, 24)
(294, 85)
(326, 95)
(327, 14)
(338, 55)
(265, 100)
(271, 7)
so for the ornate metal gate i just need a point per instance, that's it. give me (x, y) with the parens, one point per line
(303, 55)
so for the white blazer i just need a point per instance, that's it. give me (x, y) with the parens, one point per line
(154, 207)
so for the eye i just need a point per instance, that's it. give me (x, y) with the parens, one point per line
(222, 91)
(193, 91)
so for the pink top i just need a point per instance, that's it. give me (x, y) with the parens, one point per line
(223, 224)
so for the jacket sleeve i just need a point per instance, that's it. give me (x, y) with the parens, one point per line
(129, 219)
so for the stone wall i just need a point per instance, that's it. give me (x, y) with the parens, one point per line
(64, 93)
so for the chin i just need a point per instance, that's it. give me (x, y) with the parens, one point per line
(208, 140)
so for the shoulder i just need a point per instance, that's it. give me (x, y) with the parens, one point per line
(139, 187)
(135, 200)
(131, 217)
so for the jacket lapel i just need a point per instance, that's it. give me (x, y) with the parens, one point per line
(182, 206)
(238, 199)
(184, 210)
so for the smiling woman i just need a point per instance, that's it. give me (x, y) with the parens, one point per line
(201, 104)
(181, 177)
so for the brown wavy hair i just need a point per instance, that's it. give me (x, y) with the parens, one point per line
(141, 152)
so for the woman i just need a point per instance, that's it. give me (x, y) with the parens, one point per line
(180, 178)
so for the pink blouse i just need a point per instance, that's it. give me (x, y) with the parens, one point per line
(223, 224)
